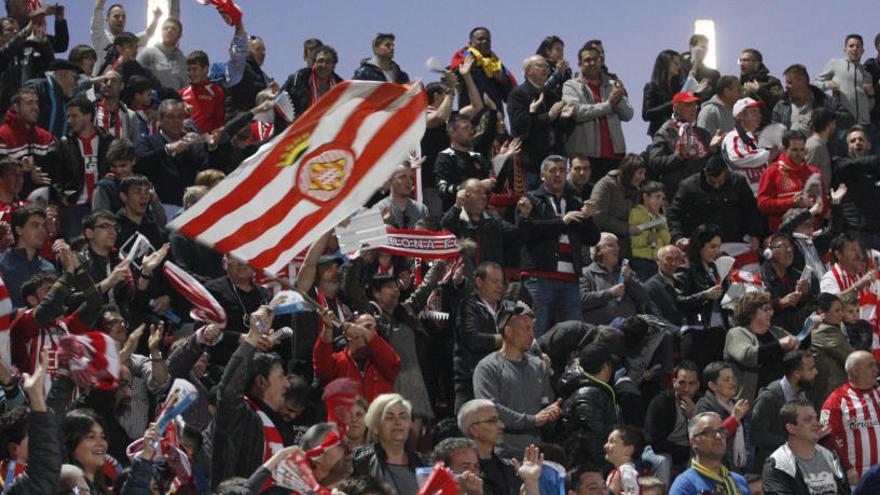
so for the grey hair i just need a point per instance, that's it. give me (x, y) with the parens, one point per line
(466, 413)
(169, 105)
(380, 406)
(551, 159)
(604, 238)
(443, 451)
(192, 194)
(692, 424)
(852, 360)
(67, 477)
(315, 435)
(528, 61)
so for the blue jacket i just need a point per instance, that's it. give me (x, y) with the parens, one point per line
(16, 269)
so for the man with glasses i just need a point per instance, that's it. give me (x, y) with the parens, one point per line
(101, 231)
(478, 420)
(517, 382)
(707, 474)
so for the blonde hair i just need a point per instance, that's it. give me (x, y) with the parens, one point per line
(379, 407)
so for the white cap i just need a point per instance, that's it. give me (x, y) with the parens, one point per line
(743, 103)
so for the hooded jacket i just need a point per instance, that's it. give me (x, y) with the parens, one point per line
(589, 413)
(368, 71)
(19, 140)
(783, 476)
(782, 109)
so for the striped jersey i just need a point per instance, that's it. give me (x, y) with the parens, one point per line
(853, 418)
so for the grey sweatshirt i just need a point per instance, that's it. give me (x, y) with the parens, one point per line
(851, 79)
(714, 116)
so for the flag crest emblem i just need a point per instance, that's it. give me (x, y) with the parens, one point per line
(325, 171)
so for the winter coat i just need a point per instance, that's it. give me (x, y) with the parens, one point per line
(783, 476)
(589, 413)
(666, 164)
(586, 136)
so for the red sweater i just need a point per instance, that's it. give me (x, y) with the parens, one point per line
(778, 186)
(379, 373)
(206, 98)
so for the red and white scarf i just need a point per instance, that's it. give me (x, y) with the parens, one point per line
(696, 147)
(315, 89)
(272, 441)
(424, 244)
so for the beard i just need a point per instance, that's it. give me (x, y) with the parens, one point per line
(805, 384)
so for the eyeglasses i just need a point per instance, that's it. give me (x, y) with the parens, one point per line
(108, 226)
(493, 419)
(713, 432)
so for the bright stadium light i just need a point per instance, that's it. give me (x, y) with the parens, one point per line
(151, 6)
(706, 27)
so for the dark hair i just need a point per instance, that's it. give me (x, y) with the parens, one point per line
(16, 98)
(792, 135)
(634, 330)
(854, 36)
(125, 38)
(382, 37)
(83, 104)
(793, 361)
(856, 128)
(379, 280)
(7, 162)
(30, 286)
(573, 476)
(547, 43)
(753, 478)
(262, 365)
(198, 57)
(660, 74)
(725, 82)
(482, 269)
(631, 437)
(576, 155)
(686, 365)
(821, 118)
(586, 48)
(120, 149)
(175, 20)
(478, 28)
(133, 180)
(113, 7)
(311, 44)
(90, 220)
(364, 485)
(754, 53)
(594, 43)
(788, 412)
(628, 167)
(443, 451)
(593, 357)
(328, 49)
(300, 390)
(432, 89)
(798, 68)
(21, 216)
(713, 370)
(696, 39)
(82, 52)
(137, 84)
(102, 322)
(650, 187)
(837, 244)
(824, 301)
(454, 120)
(77, 425)
(13, 428)
(702, 235)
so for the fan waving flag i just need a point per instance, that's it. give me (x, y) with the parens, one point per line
(311, 176)
(205, 306)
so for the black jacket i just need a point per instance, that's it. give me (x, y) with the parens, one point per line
(243, 96)
(783, 476)
(40, 477)
(170, 175)
(732, 207)
(660, 423)
(691, 281)
(661, 301)
(792, 317)
(666, 164)
(200, 261)
(495, 237)
(656, 106)
(541, 231)
(367, 71)
(71, 165)
(782, 108)
(861, 205)
(589, 413)
(15, 64)
(452, 167)
(475, 330)
(767, 433)
(371, 460)
(535, 129)
(297, 86)
(768, 93)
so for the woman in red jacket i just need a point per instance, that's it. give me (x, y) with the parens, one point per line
(367, 359)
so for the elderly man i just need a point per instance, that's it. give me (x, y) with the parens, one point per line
(604, 296)
(170, 162)
(496, 238)
(661, 286)
(558, 226)
(680, 149)
(532, 119)
(479, 421)
(399, 209)
(517, 382)
(381, 67)
(801, 461)
(860, 172)
(600, 105)
(707, 474)
(850, 414)
(740, 147)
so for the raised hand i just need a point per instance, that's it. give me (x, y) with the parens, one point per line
(33, 385)
(536, 103)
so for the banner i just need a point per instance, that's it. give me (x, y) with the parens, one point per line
(424, 244)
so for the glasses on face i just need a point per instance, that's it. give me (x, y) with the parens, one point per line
(713, 432)
(107, 226)
(493, 419)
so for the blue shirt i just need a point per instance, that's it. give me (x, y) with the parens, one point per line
(17, 269)
(691, 482)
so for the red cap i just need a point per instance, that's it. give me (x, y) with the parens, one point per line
(684, 97)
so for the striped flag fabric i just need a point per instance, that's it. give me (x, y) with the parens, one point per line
(6, 316)
(311, 176)
(205, 307)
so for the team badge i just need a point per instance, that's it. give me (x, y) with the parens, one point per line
(324, 173)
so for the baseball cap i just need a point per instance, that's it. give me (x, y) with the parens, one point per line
(684, 97)
(744, 103)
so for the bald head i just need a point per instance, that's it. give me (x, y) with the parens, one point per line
(536, 70)
(861, 368)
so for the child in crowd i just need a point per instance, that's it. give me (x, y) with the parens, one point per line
(829, 346)
(652, 486)
(624, 443)
(858, 331)
(646, 244)
(203, 99)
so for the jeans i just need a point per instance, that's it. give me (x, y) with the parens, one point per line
(553, 301)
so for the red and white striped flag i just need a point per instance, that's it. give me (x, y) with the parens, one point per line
(312, 176)
(6, 314)
(205, 306)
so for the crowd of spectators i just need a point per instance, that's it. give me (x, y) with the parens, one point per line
(696, 317)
